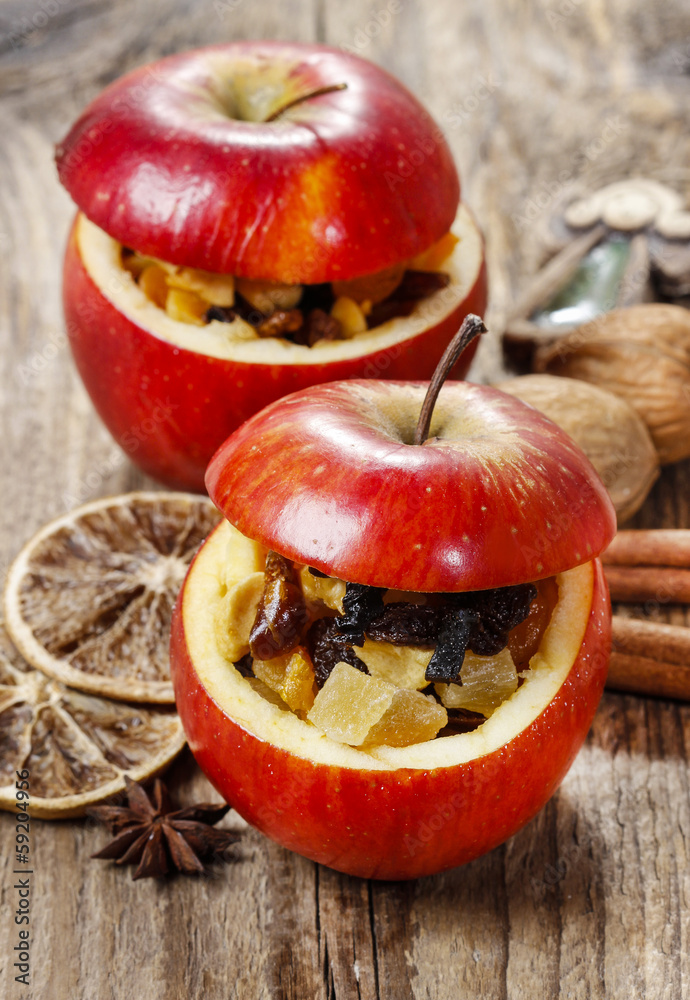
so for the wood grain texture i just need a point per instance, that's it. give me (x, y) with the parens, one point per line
(592, 899)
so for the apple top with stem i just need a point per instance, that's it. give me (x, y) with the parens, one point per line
(496, 495)
(286, 162)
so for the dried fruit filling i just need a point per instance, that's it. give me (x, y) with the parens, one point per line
(302, 314)
(370, 666)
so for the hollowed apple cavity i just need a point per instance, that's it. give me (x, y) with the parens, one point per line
(171, 302)
(278, 706)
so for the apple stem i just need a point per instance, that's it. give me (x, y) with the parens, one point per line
(471, 328)
(305, 97)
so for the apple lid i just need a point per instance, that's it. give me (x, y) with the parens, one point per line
(178, 160)
(497, 495)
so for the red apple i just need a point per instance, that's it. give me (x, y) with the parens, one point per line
(179, 162)
(496, 496)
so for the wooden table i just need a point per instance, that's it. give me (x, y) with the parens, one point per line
(592, 899)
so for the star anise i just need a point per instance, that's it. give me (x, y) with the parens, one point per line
(150, 832)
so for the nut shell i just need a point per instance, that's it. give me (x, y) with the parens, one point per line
(641, 354)
(612, 435)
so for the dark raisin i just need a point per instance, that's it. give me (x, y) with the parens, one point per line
(454, 637)
(282, 613)
(461, 720)
(280, 323)
(327, 647)
(360, 605)
(225, 314)
(389, 309)
(500, 611)
(320, 325)
(421, 284)
(245, 665)
(407, 624)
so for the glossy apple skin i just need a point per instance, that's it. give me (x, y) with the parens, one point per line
(395, 824)
(170, 408)
(341, 185)
(497, 495)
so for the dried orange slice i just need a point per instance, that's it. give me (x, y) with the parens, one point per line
(88, 600)
(76, 747)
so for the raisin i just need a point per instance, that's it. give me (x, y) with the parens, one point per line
(525, 638)
(499, 611)
(449, 655)
(320, 325)
(282, 612)
(225, 314)
(280, 323)
(461, 720)
(407, 624)
(421, 284)
(245, 665)
(389, 309)
(328, 646)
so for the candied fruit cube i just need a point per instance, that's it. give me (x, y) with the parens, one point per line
(266, 296)
(351, 318)
(215, 289)
(404, 666)
(349, 704)
(235, 616)
(153, 284)
(186, 307)
(319, 590)
(411, 717)
(291, 676)
(487, 681)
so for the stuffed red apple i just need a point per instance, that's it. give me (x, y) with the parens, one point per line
(255, 218)
(388, 656)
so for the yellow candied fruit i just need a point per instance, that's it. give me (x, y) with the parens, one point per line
(186, 307)
(351, 318)
(361, 710)
(291, 676)
(322, 590)
(403, 666)
(266, 296)
(487, 681)
(235, 616)
(214, 289)
(153, 284)
(432, 258)
(411, 717)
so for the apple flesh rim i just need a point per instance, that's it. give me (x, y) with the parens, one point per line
(386, 813)
(170, 393)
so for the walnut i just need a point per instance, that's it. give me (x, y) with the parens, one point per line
(641, 354)
(609, 431)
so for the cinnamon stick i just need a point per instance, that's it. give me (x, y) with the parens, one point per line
(661, 584)
(650, 658)
(657, 547)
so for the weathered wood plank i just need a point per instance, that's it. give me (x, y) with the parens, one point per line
(592, 898)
